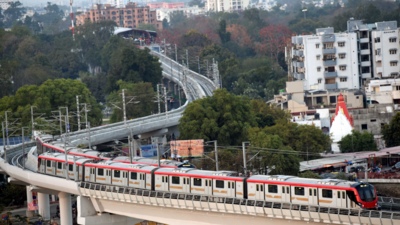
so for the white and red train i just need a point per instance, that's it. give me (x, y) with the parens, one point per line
(275, 188)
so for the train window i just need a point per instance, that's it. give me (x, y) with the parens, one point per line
(219, 183)
(343, 195)
(133, 175)
(273, 188)
(187, 180)
(175, 180)
(261, 186)
(209, 183)
(48, 163)
(162, 179)
(59, 166)
(117, 173)
(166, 179)
(257, 187)
(315, 192)
(197, 182)
(287, 190)
(283, 190)
(338, 194)
(229, 184)
(71, 167)
(184, 181)
(326, 193)
(298, 191)
(310, 192)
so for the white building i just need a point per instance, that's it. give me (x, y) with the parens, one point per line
(117, 3)
(226, 5)
(326, 60)
(383, 91)
(164, 13)
(4, 4)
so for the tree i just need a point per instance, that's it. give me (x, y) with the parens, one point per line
(49, 96)
(273, 39)
(311, 141)
(194, 38)
(135, 66)
(391, 131)
(340, 21)
(240, 36)
(176, 17)
(165, 24)
(223, 34)
(305, 26)
(67, 63)
(143, 93)
(268, 114)
(147, 26)
(310, 174)
(224, 117)
(358, 142)
(199, 3)
(13, 12)
(97, 85)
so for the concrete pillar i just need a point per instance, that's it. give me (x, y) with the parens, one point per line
(175, 88)
(169, 85)
(29, 201)
(53, 198)
(65, 208)
(44, 206)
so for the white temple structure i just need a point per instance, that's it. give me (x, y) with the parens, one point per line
(341, 125)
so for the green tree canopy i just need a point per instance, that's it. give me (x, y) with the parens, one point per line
(223, 34)
(358, 142)
(391, 131)
(48, 97)
(224, 117)
(147, 26)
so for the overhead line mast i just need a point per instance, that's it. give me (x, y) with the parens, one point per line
(72, 19)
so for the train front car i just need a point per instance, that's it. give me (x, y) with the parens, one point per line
(364, 195)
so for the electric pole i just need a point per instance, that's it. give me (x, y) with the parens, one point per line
(8, 141)
(187, 59)
(176, 54)
(158, 98)
(244, 157)
(78, 113)
(123, 104)
(166, 103)
(4, 144)
(33, 123)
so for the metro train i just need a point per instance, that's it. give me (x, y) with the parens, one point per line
(275, 188)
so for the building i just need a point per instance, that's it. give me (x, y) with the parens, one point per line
(116, 3)
(130, 17)
(383, 91)
(328, 60)
(226, 5)
(164, 13)
(4, 4)
(166, 5)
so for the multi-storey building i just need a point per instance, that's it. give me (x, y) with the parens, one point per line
(226, 5)
(130, 17)
(4, 4)
(164, 13)
(166, 5)
(326, 60)
(349, 60)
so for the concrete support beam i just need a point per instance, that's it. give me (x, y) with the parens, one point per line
(65, 208)
(154, 133)
(44, 206)
(136, 147)
(29, 200)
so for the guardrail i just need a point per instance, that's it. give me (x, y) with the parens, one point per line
(291, 211)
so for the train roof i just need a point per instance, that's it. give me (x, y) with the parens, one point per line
(89, 153)
(191, 172)
(60, 157)
(298, 181)
(141, 160)
(123, 166)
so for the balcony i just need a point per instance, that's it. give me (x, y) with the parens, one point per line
(366, 63)
(396, 94)
(299, 64)
(330, 74)
(328, 38)
(299, 53)
(364, 40)
(329, 62)
(299, 76)
(378, 58)
(379, 69)
(364, 52)
(331, 86)
(366, 75)
(329, 51)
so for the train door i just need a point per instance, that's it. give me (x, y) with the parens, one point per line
(92, 175)
(124, 180)
(142, 181)
(208, 187)
(42, 166)
(108, 176)
(186, 184)
(285, 193)
(312, 196)
(49, 167)
(60, 169)
(148, 181)
(164, 183)
(341, 199)
(259, 192)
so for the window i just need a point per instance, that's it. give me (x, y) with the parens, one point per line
(326, 193)
(378, 51)
(273, 188)
(184, 181)
(332, 99)
(315, 192)
(365, 69)
(257, 187)
(197, 182)
(71, 167)
(117, 173)
(229, 184)
(113, 13)
(48, 163)
(316, 45)
(283, 190)
(298, 190)
(318, 57)
(342, 56)
(287, 190)
(134, 176)
(344, 79)
(377, 40)
(328, 46)
(219, 184)
(393, 51)
(175, 180)
(364, 46)
(319, 69)
(310, 190)
(330, 81)
(397, 89)
(100, 172)
(59, 165)
(262, 187)
(338, 194)
(128, 12)
(343, 194)
(392, 40)
(393, 63)
(341, 44)
(209, 183)
(373, 120)
(364, 127)
(319, 81)
(342, 68)
(364, 58)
